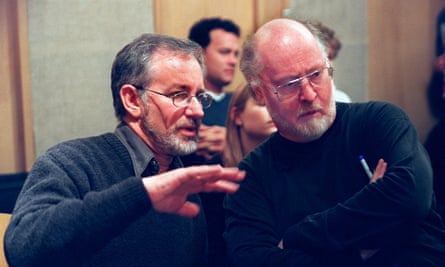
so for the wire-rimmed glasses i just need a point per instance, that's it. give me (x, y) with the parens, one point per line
(314, 78)
(182, 99)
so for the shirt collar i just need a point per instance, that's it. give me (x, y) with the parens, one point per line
(140, 154)
(217, 97)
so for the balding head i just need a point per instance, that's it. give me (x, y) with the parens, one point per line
(282, 31)
(263, 48)
(287, 67)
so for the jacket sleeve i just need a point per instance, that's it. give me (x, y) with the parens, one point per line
(57, 220)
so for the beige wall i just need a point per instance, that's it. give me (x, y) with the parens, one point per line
(348, 18)
(72, 45)
(387, 49)
(65, 93)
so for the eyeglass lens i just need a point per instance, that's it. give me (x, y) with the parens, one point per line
(183, 99)
(314, 78)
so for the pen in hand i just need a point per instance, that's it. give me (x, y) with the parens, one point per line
(365, 166)
(379, 170)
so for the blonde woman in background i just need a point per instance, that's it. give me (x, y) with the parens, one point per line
(248, 124)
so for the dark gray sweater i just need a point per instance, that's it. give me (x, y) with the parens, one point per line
(81, 205)
(317, 198)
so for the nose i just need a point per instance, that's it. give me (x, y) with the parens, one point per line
(233, 59)
(194, 109)
(307, 91)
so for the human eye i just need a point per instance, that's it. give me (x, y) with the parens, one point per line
(180, 96)
(225, 51)
(315, 76)
(294, 84)
(290, 87)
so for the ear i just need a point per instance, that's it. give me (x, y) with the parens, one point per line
(234, 116)
(131, 101)
(258, 95)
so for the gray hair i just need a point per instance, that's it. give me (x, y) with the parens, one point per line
(250, 62)
(133, 62)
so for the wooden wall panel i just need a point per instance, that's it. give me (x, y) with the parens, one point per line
(267, 10)
(175, 17)
(401, 44)
(16, 138)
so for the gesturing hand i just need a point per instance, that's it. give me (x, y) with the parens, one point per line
(168, 191)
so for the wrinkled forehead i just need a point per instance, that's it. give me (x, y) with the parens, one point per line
(285, 45)
(282, 29)
(176, 66)
(175, 60)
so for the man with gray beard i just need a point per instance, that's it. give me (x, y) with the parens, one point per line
(123, 198)
(309, 198)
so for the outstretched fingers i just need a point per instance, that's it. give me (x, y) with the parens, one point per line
(221, 186)
(168, 191)
(215, 178)
(189, 210)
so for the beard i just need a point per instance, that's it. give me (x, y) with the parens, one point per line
(171, 142)
(310, 130)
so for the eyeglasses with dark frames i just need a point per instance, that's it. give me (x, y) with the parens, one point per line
(182, 99)
(314, 78)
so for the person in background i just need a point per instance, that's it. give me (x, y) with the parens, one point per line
(435, 142)
(248, 125)
(309, 198)
(219, 39)
(123, 198)
(333, 46)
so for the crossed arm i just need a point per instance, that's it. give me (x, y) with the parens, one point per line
(378, 174)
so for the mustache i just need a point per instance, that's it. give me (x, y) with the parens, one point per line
(307, 108)
(192, 123)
